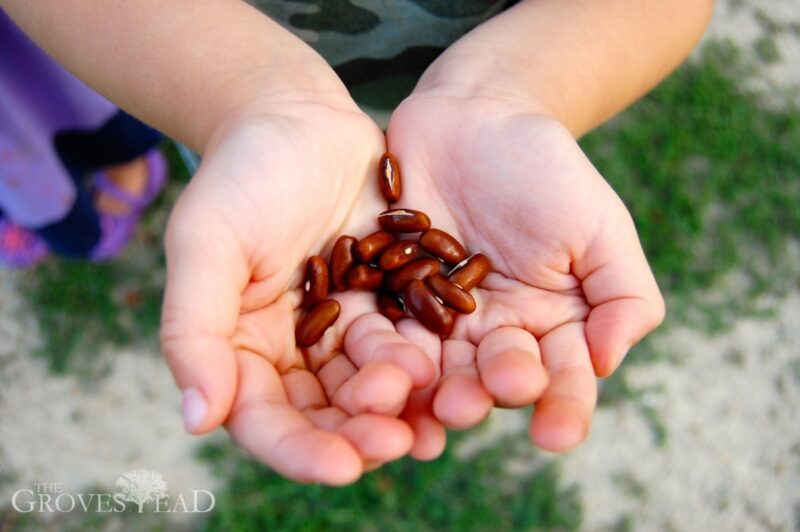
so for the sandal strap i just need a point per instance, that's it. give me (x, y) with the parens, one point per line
(156, 176)
(104, 184)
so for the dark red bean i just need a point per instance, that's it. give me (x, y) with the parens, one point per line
(391, 306)
(442, 245)
(314, 324)
(452, 295)
(317, 281)
(342, 261)
(404, 221)
(373, 245)
(398, 254)
(364, 277)
(420, 269)
(389, 178)
(471, 272)
(428, 310)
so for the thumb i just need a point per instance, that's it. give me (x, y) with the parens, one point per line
(206, 274)
(619, 286)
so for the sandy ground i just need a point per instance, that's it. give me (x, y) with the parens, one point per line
(81, 434)
(751, 24)
(731, 460)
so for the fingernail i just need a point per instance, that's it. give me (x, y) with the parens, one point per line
(195, 408)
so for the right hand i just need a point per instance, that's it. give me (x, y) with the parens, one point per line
(275, 187)
(571, 289)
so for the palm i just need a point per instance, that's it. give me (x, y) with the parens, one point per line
(516, 187)
(274, 191)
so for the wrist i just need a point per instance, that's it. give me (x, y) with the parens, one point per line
(263, 96)
(483, 75)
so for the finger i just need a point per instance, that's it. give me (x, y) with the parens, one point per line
(563, 414)
(510, 367)
(373, 338)
(276, 433)
(329, 418)
(461, 401)
(304, 390)
(429, 434)
(206, 274)
(378, 438)
(379, 387)
(619, 285)
(335, 373)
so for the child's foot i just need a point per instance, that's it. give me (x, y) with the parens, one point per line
(130, 178)
(20, 247)
(121, 195)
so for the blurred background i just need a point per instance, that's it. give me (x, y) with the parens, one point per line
(698, 431)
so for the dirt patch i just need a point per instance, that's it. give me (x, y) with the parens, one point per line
(61, 429)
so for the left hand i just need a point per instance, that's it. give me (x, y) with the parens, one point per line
(276, 187)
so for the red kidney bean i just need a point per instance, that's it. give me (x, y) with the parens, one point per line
(398, 254)
(342, 261)
(427, 309)
(314, 324)
(364, 277)
(389, 178)
(391, 306)
(404, 221)
(470, 272)
(373, 245)
(442, 245)
(317, 281)
(452, 295)
(398, 280)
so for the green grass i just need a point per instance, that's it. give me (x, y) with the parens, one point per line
(766, 50)
(446, 494)
(711, 178)
(470, 494)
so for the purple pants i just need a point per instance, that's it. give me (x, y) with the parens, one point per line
(54, 131)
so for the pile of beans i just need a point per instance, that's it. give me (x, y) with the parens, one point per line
(430, 276)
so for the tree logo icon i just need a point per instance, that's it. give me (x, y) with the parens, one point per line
(140, 486)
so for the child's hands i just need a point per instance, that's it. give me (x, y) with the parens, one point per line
(272, 190)
(572, 292)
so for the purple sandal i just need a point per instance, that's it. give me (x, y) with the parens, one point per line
(116, 230)
(20, 247)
